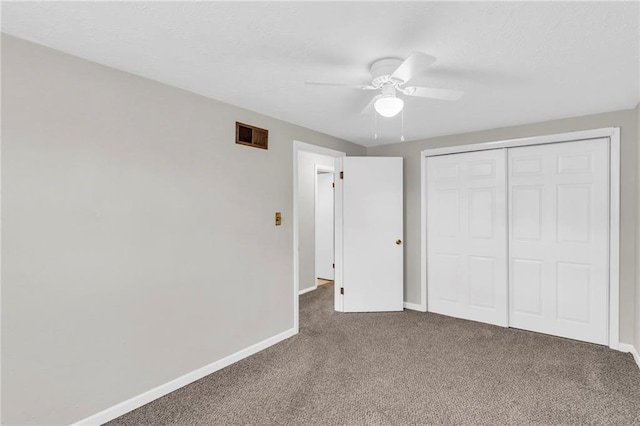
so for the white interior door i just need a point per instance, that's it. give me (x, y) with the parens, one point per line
(324, 225)
(466, 236)
(372, 234)
(559, 233)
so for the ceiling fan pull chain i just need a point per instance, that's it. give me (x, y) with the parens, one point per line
(375, 126)
(402, 134)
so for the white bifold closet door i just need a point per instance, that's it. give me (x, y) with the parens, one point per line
(558, 239)
(526, 247)
(466, 236)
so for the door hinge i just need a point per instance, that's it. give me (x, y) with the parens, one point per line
(341, 175)
(333, 265)
(333, 184)
(341, 290)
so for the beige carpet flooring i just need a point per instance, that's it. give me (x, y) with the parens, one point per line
(408, 368)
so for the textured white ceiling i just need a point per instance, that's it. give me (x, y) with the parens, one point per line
(517, 62)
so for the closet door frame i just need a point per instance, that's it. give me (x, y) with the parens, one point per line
(613, 135)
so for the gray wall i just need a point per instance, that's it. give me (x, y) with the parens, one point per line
(629, 143)
(307, 216)
(138, 241)
(637, 336)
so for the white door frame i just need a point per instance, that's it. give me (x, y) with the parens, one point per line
(613, 134)
(327, 169)
(297, 147)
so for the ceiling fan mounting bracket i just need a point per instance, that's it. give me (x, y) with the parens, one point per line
(381, 71)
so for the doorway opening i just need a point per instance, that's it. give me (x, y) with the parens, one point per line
(324, 214)
(311, 164)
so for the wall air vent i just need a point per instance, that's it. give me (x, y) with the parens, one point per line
(252, 136)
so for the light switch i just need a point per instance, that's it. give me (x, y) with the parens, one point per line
(278, 218)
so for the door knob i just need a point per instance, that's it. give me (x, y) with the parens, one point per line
(398, 242)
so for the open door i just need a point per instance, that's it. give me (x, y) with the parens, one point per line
(369, 230)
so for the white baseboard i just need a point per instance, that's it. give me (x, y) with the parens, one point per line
(162, 390)
(307, 290)
(625, 347)
(414, 307)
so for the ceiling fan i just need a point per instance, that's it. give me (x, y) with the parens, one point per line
(389, 76)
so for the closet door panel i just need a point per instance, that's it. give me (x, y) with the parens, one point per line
(466, 236)
(558, 239)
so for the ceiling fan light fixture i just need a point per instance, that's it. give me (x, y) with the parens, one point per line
(388, 106)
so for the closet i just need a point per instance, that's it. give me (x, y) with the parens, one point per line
(519, 237)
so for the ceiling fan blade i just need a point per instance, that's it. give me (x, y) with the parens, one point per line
(328, 84)
(415, 64)
(429, 92)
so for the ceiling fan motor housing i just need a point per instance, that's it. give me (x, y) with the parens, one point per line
(381, 71)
